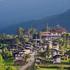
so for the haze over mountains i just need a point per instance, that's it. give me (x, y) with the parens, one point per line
(62, 19)
(13, 12)
(16, 11)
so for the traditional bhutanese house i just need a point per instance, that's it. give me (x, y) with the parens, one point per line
(59, 30)
(37, 60)
(36, 38)
(49, 35)
(56, 55)
(7, 41)
(19, 58)
(27, 46)
(18, 53)
(55, 52)
(53, 33)
(27, 51)
(12, 47)
(52, 44)
(45, 35)
(56, 59)
(55, 45)
(42, 49)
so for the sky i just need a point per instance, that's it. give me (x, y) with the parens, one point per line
(15, 11)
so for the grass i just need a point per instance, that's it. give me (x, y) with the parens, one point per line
(9, 62)
(49, 69)
(46, 69)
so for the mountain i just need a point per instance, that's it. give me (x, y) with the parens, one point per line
(62, 19)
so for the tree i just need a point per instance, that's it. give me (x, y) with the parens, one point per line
(1, 59)
(11, 68)
(7, 54)
(68, 53)
(66, 39)
(2, 66)
(21, 32)
(32, 31)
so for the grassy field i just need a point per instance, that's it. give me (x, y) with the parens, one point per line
(49, 69)
(46, 69)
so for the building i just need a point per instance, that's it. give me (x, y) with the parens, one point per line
(57, 59)
(49, 35)
(53, 33)
(19, 58)
(36, 38)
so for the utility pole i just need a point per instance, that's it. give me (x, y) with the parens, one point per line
(47, 28)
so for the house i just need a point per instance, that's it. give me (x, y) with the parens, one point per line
(36, 38)
(55, 45)
(56, 59)
(59, 30)
(56, 56)
(27, 45)
(19, 58)
(7, 41)
(37, 60)
(27, 51)
(49, 35)
(12, 47)
(55, 52)
(53, 33)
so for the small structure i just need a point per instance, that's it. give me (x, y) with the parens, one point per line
(55, 45)
(27, 49)
(55, 52)
(53, 33)
(7, 41)
(56, 56)
(57, 59)
(49, 35)
(12, 47)
(19, 58)
(36, 38)
(37, 61)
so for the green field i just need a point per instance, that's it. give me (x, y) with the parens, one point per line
(46, 69)
(49, 69)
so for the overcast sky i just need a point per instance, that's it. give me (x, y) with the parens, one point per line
(14, 11)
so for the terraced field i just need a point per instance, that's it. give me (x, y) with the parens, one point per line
(49, 69)
(46, 69)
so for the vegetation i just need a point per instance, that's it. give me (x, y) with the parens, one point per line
(3, 65)
(23, 38)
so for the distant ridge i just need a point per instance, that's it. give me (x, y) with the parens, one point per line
(61, 19)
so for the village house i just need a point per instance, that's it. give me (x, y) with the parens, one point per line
(56, 52)
(53, 33)
(36, 38)
(57, 59)
(19, 58)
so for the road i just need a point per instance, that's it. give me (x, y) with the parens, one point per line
(30, 62)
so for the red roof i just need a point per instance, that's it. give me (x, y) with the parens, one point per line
(58, 30)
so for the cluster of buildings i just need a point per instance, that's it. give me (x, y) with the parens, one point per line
(53, 44)
(25, 43)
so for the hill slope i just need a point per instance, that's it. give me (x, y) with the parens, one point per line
(61, 19)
